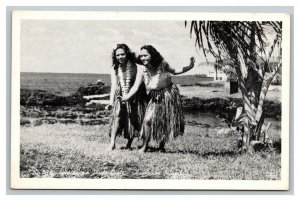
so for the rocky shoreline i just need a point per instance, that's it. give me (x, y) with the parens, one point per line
(220, 105)
(85, 108)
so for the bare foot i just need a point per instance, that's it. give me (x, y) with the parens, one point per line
(142, 150)
(111, 147)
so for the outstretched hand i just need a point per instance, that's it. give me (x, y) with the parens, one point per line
(192, 62)
(108, 107)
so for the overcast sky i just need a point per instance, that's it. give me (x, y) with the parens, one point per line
(86, 46)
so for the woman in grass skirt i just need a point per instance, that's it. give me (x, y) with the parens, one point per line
(163, 119)
(126, 118)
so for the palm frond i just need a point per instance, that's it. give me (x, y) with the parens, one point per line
(223, 39)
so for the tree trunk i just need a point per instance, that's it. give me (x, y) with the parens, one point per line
(253, 108)
(257, 133)
(252, 130)
(253, 85)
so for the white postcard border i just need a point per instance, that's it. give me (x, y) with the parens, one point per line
(58, 183)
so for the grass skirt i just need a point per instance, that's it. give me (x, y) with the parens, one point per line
(164, 114)
(131, 113)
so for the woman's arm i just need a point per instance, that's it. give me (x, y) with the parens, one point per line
(114, 81)
(183, 70)
(138, 80)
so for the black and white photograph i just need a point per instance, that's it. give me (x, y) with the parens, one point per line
(145, 100)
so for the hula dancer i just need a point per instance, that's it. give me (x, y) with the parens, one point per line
(126, 118)
(163, 119)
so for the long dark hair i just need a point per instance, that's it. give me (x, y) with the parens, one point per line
(156, 58)
(129, 55)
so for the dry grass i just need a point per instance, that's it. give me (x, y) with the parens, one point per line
(75, 151)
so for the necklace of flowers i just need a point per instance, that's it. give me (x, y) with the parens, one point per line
(125, 77)
(147, 74)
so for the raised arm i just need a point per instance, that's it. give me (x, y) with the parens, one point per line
(182, 70)
(138, 80)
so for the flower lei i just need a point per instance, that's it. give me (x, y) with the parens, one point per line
(125, 77)
(146, 75)
(149, 78)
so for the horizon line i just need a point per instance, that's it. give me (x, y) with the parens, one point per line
(95, 73)
(62, 72)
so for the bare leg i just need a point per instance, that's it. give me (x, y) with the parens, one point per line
(113, 134)
(146, 139)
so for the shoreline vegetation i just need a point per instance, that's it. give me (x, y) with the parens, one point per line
(65, 136)
(85, 103)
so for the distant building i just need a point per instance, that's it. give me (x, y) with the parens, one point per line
(275, 61)
(209, 70)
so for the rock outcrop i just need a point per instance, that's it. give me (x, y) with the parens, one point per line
(93, 89)
(219, 105)
(86, 106)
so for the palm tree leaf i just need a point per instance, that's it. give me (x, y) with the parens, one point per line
(200, 37)
(239, 111)
(206, 28)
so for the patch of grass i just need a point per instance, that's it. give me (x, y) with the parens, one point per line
(75, 151)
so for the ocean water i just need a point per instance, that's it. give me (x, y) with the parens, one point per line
(68, 83)
(60, 83)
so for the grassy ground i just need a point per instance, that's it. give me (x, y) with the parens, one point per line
(79, 151)
(75, 151)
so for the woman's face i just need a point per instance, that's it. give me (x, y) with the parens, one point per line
(121, 56)
(145, 57)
